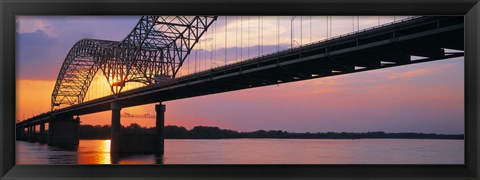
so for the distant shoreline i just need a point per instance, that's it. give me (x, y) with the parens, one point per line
(289, 138)
(204, 132)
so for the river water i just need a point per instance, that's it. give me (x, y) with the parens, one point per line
(256, 151)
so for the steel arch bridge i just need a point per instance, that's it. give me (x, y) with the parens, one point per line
(154, 50)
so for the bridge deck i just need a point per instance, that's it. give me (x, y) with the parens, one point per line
(381, 47)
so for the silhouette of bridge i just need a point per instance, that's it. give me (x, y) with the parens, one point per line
(153, 53)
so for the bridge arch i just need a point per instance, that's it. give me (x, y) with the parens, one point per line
(156, 47)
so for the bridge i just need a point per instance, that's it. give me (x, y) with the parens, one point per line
(153, 53)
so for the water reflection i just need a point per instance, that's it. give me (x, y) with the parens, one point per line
(66, 154)
(126, 158)
(255, 151)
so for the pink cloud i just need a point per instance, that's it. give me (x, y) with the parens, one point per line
(418, 72)
(29, 25)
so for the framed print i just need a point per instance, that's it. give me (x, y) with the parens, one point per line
(214, 89)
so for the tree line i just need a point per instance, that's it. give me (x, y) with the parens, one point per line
(206, 132)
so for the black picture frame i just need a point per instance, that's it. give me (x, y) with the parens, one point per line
(11, 8)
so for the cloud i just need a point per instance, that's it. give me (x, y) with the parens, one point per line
(33, 24)
(417, 72)
(36, 55)
(43, 42)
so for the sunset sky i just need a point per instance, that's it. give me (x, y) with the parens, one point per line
(426, 97)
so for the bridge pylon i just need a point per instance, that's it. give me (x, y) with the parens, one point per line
(115, 128)
(134, 142)
(160, 125)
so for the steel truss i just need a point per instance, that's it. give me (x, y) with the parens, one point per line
(156, 47)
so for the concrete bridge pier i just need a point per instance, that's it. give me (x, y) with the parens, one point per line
(128, 142)
(26, 131)
(115, 129)
(160, 124)
(23, 133)
(28, 134)
(63, 131)
(19, 133)
(32, 134)
(42, 136)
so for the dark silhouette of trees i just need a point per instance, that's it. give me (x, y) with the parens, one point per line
(172, 132)
(206, 132)
(94, 132)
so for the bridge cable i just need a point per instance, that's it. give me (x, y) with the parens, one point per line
(326, 22)
(353, 23)
(205, 53)
(301, 30)
(236, 39)
(241, 38)
(358, 23)
(212, 53)
(226, 22)
(310, 18)
(331, 33)
(278, 33)
(262, 33)
(292, 29)
(197, 62)
(204, 56)
(211, 49)
(258, 32)
(215, 43)
(96, 89)
(196, 57)
(248, 37)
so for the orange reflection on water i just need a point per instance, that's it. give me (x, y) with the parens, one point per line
(256, 151)
(93, 152)
(105, 157)
(98, 152)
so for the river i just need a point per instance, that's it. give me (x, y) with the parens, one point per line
(256, 151)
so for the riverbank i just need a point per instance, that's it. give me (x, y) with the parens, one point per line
(204, 132)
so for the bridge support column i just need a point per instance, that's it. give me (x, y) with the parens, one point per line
(24, 134)
(42, 136)
(115, 129)
(27, 134)
(32, 133)
(18, 133)
(26, 131)
(63, 131)
(160, 124)
(33, 137)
